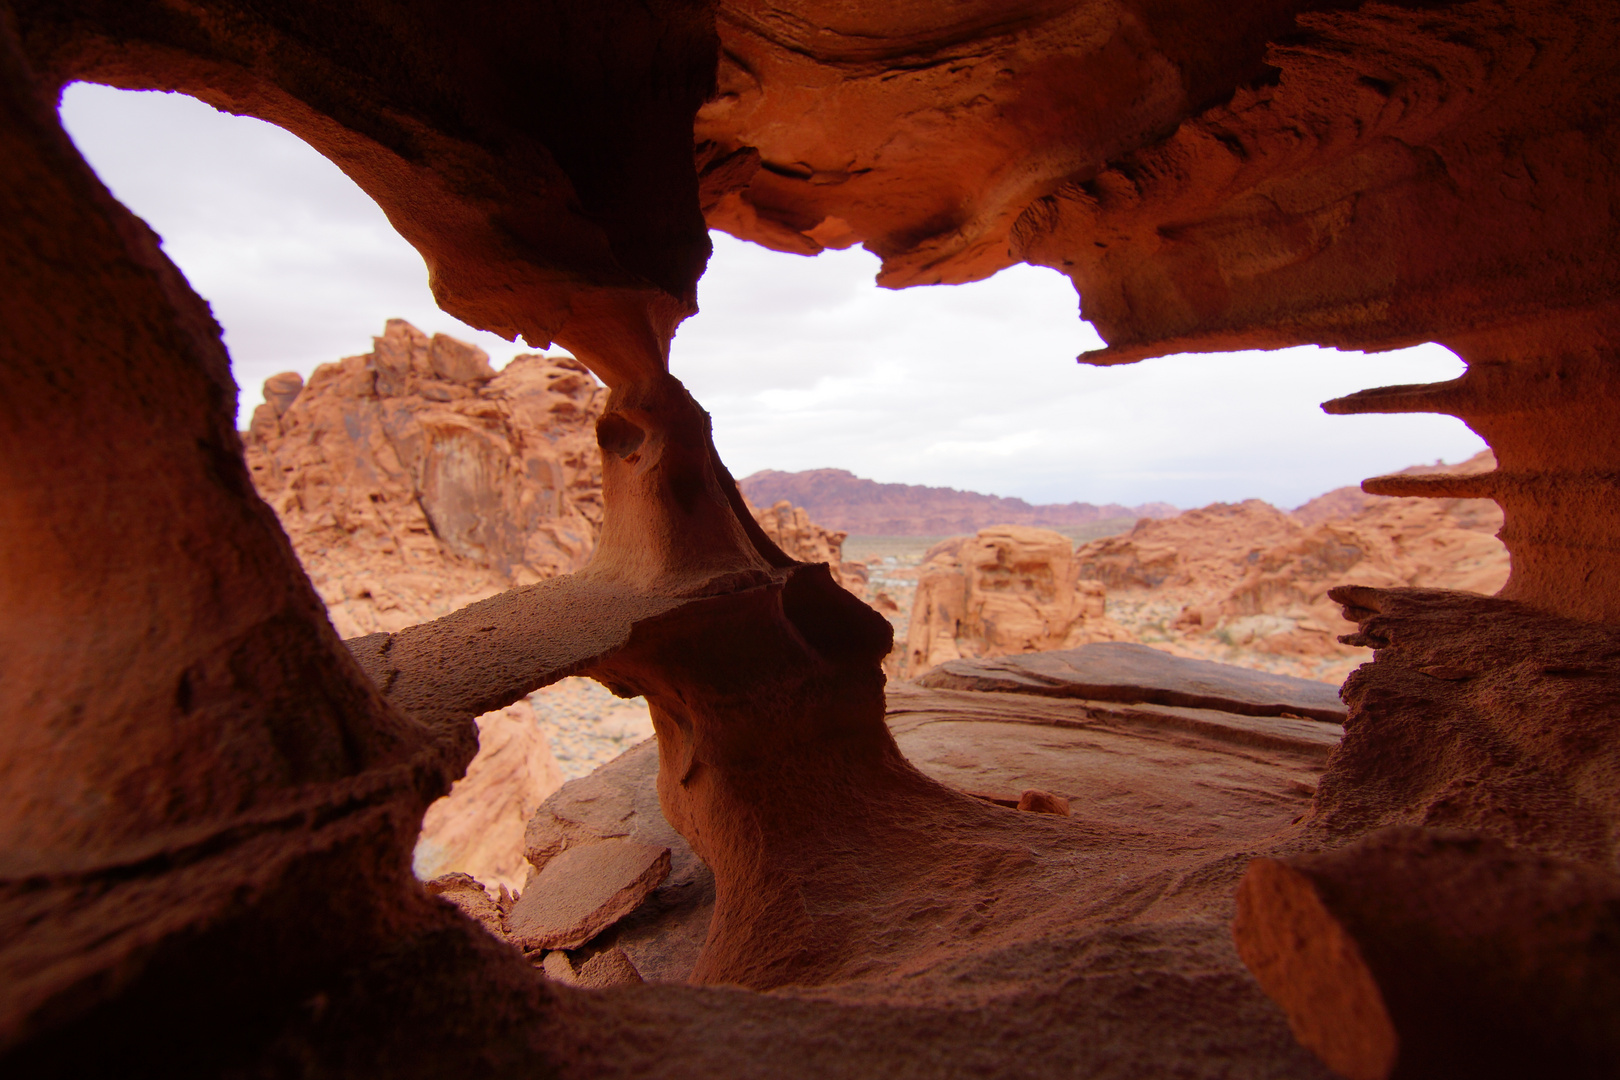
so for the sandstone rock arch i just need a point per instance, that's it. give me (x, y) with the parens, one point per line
(212, 799)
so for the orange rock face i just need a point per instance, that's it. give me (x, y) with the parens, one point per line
(1243, 583)
(1009, 589)
(1248, 583)
(414, 479)
(477, 829)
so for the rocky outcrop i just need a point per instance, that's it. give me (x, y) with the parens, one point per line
(1124, 672)
(1208, 549)
(1243, 583)
(1009, 589)
(477, 829)
(1248, 583)
(841, 500)
(789, 527)
(414, 479)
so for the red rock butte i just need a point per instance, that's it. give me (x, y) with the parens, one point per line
(212, 800)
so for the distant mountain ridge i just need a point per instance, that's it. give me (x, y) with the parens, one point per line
(838, 499)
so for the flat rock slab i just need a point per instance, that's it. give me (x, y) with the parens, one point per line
(1126, 672)
(585, 890)
(664, 935)
(1153, 776)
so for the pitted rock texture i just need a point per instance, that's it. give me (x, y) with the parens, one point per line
(413, 480)
(1010, 589)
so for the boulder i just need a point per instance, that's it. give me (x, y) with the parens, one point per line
(583, 891)
(1009, 589)
(608, 968)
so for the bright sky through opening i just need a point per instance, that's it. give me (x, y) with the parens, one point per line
(803, 363)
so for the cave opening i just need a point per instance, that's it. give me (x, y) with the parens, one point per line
(215, 796)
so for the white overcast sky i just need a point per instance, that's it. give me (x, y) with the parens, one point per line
(804, 363)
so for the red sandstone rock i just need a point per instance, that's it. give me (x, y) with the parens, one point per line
(1036, 801)
(1009, 589)
(210, 812)
(477, 829)
(583, 891)
(1137, 673)
(664, 936)
(789, 527)
(414, 479)
(606, 969)
(1427, 953)
(1251, 584)
(1209, 549)
(1124, 766)
(469, 895)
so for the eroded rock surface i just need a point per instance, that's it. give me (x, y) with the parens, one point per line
(789, 527)
(1136, 673)
(1115, 749)
(477, 829)
(1009, 589)
(212, 810)
(1242, 583)
(413, 480)
(581, 891)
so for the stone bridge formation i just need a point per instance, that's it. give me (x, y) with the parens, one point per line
(210, 800)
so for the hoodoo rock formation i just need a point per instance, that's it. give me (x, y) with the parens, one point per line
(1008, 589)
(213, 799)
